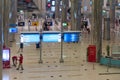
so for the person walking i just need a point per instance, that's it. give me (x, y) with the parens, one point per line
(20, 65)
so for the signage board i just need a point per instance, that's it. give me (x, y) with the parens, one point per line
(70, 36)
(6, 57)
(12, 25)
(30, 37)
(13, 30)
(21, 23)
(35, 23)
(51, 37)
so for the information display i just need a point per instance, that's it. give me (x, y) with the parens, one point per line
(13, 30)
(51, 37)
(6, 55)
(30, 37)
(35, 23)
(21, 24)
(12, 25)
(71, 36)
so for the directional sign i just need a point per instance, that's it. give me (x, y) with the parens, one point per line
(51, 36)
(71, 36)
(36, 23)
(21, 23)
(12, 25)
(30, 37)
(13, 30)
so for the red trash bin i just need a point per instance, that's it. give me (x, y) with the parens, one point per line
(91, 53)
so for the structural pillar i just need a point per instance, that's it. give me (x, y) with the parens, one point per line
(75, 14)
(64, 13)
(57, 9)
(6, 22)
(112, 13)
(13, 12)
(79, 3)
(97, 27)
(106, 34)
(41, 5)
(1, 34)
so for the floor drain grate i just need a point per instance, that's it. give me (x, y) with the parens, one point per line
(51, 76)
(60, 75)
(15, 77)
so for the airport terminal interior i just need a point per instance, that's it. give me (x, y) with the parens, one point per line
(51, 52)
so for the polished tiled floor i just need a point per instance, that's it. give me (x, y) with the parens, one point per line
(75, 66)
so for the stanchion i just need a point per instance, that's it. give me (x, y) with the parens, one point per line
(61, 59)
(93, 66)
(109, 64)
(40, 61)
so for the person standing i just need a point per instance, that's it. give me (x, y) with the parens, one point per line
(21, 48)
(20, 65)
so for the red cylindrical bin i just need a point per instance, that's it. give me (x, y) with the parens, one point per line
(91, 53)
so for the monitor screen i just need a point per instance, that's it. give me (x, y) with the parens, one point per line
(30, 37)
(51, 37)
(6, 55)
(13, 30)
(71, 37)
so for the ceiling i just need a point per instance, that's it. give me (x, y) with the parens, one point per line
(26, 5)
